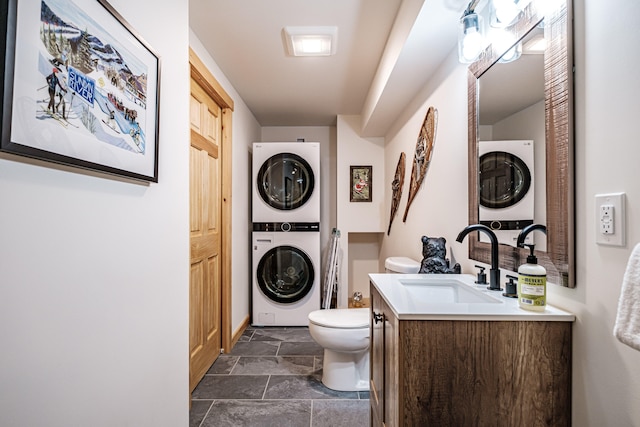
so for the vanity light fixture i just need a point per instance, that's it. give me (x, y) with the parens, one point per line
(504, 12)
(501, 14)
(311, 41)
(512, 54)
(504, 41)
(547, 7)
(471, 40)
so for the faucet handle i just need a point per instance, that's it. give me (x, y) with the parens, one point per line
(511, 287)
(482, 276)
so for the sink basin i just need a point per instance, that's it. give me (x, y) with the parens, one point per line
(444, 291)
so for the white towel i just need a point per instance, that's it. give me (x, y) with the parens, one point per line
(627, 327)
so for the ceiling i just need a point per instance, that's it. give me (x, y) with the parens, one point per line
(387, 50)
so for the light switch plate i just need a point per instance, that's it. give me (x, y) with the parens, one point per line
(610, 219)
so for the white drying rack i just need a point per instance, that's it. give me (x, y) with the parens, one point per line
(331, 273)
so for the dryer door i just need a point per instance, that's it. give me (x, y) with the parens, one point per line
(285, 274)
(504, 179)
(285, 181)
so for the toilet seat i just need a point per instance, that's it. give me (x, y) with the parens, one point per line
(341, 318)
(401, 264)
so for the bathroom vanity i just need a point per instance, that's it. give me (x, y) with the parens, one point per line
(447, 352)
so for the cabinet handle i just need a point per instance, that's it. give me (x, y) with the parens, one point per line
(378, 317)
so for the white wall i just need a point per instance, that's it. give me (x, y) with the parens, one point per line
(358, 217)
(353, 150)
(363, 259)
(245, 131)
(606, 378)
(94, 272)
(440, 206)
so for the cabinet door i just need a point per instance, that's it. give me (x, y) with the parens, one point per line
(376, 360)
(394, 367)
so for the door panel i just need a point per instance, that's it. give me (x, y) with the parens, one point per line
(195, 313)
(205, 236)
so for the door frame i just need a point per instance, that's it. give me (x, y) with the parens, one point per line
(205, 79)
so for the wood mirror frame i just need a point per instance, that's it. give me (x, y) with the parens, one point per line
(558, 69)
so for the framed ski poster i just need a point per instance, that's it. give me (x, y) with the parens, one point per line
(80, 87)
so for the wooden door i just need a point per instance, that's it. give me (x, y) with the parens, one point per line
(205, 234)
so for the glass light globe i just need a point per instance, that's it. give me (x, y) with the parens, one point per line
(471, 40)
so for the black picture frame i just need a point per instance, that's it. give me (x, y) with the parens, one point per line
(361, 179)
(103, 111)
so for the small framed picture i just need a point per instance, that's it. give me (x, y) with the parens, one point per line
(360, 184)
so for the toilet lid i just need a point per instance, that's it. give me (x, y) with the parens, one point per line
(345, 318)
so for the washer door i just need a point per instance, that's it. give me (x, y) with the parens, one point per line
(285, 274)
(285, 181)
(504, 179)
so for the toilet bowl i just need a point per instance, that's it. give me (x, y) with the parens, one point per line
(344, 335)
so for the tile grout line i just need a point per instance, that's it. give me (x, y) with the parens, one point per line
(206, 414)
(234, 365)
(264, 392)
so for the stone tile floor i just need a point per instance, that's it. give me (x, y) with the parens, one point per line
(272, 377)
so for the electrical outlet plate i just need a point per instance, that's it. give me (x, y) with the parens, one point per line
(610, 219)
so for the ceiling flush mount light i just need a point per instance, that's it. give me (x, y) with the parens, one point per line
(311, 41)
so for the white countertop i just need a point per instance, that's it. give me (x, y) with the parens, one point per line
(406, 307)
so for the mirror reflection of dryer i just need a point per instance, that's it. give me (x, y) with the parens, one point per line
(506, 190)
(286, 273)
(286, 182)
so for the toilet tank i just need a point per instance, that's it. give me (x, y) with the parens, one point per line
(401, 265)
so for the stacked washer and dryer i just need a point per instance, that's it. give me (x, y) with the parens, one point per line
(286, 233)
(506, 188)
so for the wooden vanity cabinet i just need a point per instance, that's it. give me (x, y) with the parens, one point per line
(468, 373)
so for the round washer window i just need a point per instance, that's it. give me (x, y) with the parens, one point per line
(285, 181)
(504, 179)
(285, 274)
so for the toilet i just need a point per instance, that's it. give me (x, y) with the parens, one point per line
(344, 335)
(401, 264)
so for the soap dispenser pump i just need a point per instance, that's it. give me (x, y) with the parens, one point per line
(532, 277)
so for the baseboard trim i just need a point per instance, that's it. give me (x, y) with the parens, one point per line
(239, 331)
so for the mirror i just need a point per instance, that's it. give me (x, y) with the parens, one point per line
(552, 181)
(511, 149)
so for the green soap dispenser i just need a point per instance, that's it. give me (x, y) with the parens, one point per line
(532, 277)
(532, 284)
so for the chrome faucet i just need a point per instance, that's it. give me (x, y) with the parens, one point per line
(494, 273)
